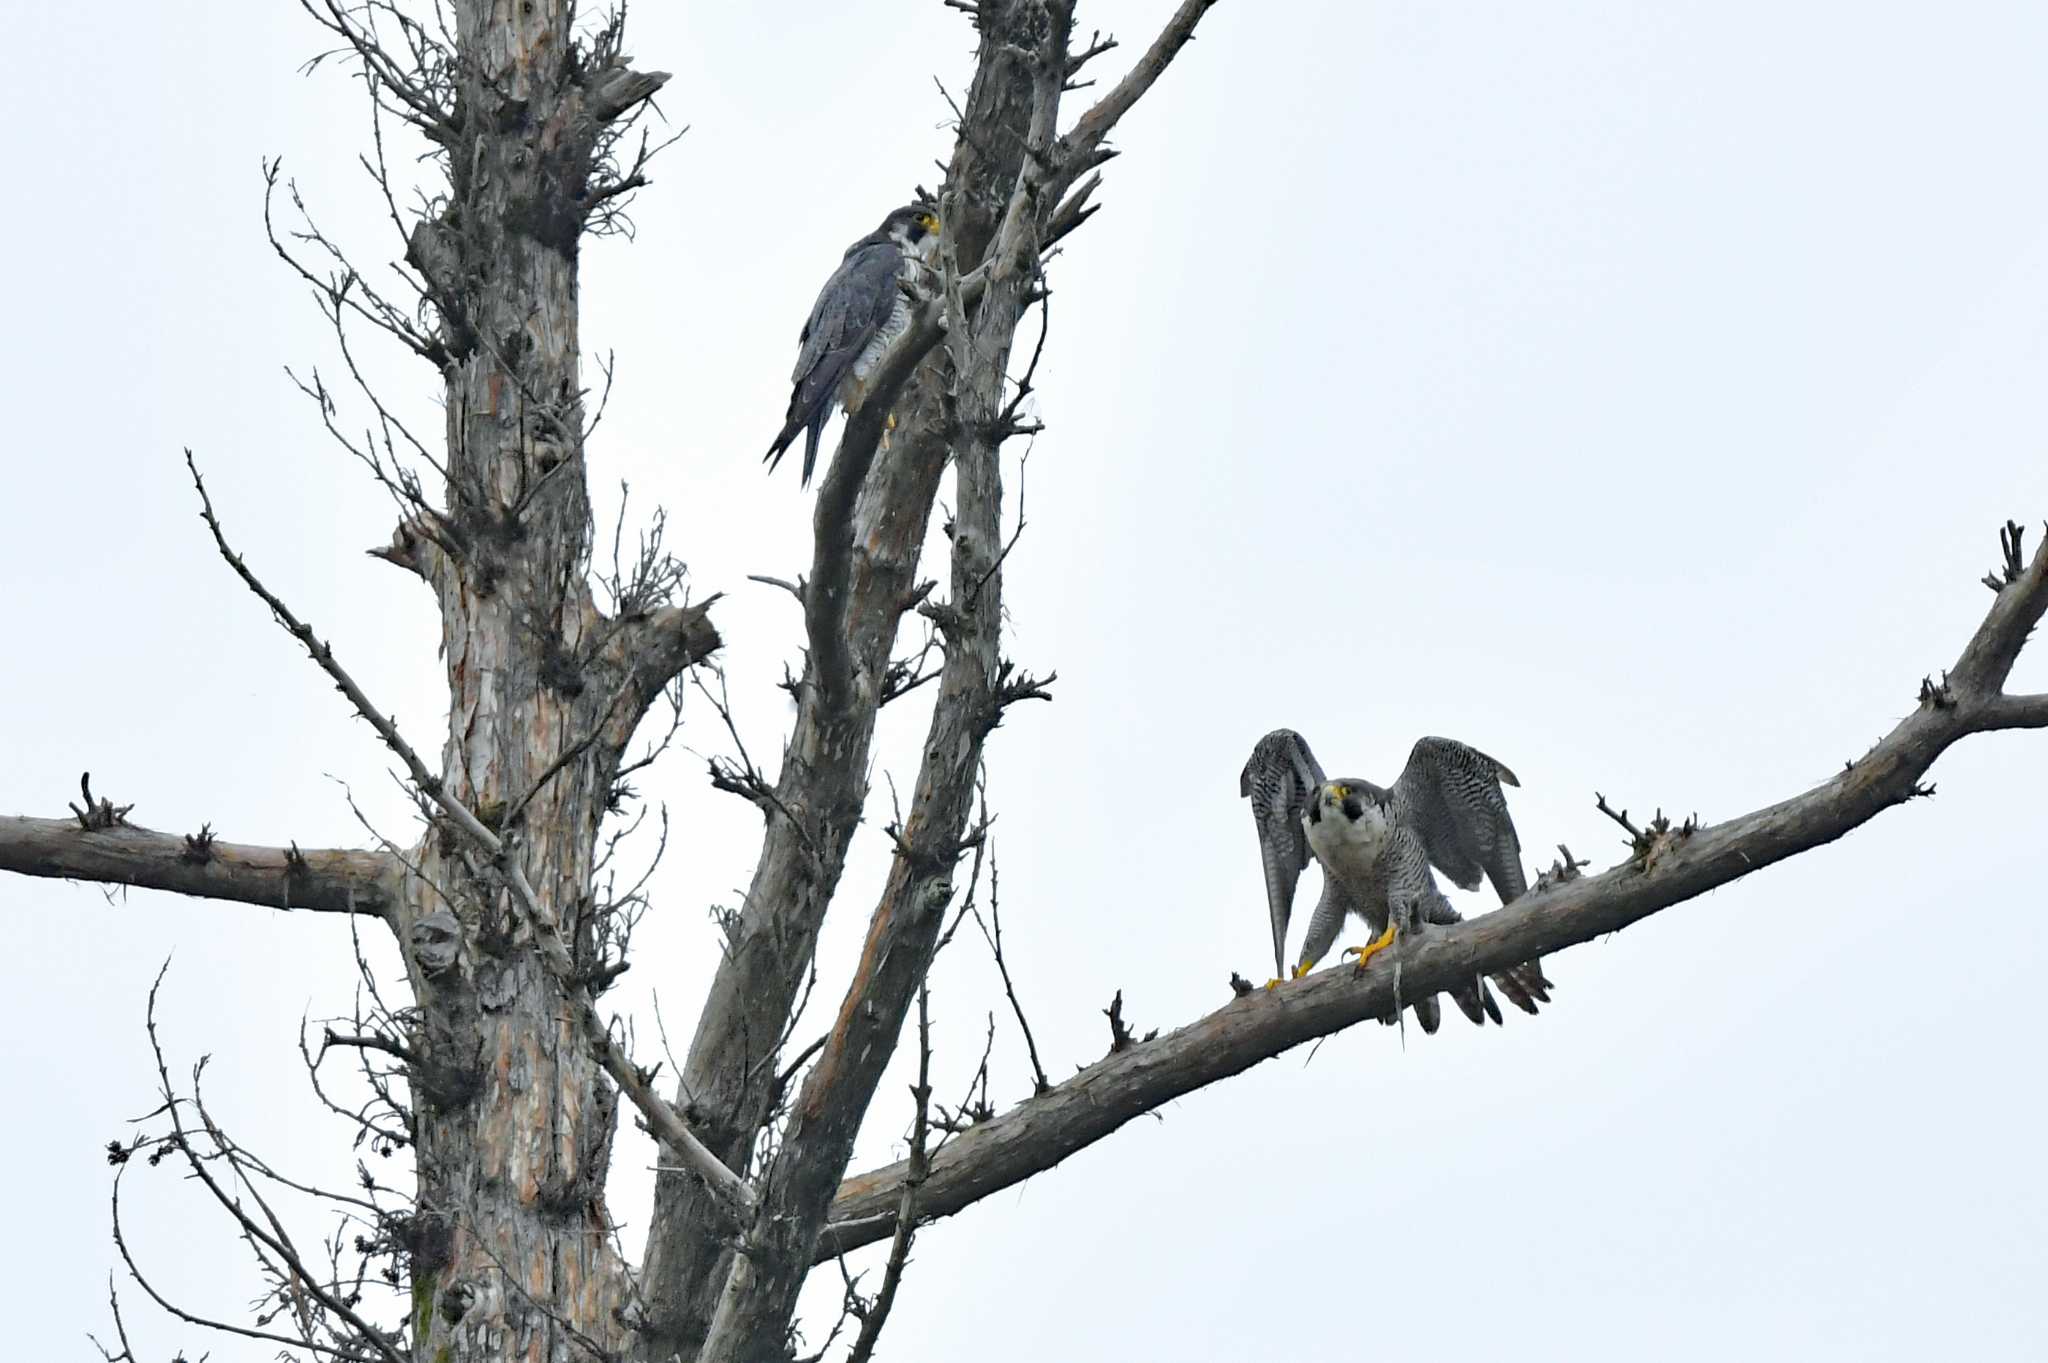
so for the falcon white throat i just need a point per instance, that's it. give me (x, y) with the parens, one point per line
(1347, 828)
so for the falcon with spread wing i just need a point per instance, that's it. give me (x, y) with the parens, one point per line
(1376, 846)
(859, 312)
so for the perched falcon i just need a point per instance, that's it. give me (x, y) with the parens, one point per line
(1376, 846)
(858, 313)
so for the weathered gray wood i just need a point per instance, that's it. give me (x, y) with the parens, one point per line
(991, 253)
(514, 1255)
(326, 880)
(816, 807)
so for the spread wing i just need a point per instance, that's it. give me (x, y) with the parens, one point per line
(1457, 808)
(1280, 777)
(852, 306)
(1453, 795)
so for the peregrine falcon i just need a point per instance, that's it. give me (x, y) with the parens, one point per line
(858, 313)
(1376, 846)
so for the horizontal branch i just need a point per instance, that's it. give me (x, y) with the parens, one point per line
(617, 90)
(1676, 864)
(326, 880)
(2019, 712)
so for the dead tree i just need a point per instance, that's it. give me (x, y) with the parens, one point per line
(500, 1073)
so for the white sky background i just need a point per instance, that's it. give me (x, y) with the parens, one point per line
(1632, 394)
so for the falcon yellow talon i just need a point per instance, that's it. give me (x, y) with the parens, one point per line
(1274, 984)
(1373, 948)
(1302, 969)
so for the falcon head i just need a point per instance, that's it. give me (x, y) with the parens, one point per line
(1348, 823)
(914, 228)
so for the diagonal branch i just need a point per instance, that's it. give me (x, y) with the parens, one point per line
(828, 597)
(1082, 148)
(1677, 866)
(327, 880)
(903, 932)
(323, 655)
(877, 1314)
(862, 582)
(816, 805)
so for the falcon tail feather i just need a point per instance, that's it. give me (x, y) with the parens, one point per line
(811, 437)
(787, 437)
(1524, 985)
(1477, 1003)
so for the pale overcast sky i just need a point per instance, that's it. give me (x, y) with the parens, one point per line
(1633, 391)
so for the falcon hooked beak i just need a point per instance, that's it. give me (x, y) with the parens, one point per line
(1336, 795)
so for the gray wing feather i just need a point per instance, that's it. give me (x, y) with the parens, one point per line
(1453, 795)
(1279, 779)
(851, 308)
(1456, 805)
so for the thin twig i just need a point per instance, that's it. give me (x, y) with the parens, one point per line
(994, 938)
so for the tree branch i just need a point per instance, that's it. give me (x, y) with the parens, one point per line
(614, 92)
(814, 810)
(326, 880)
(2018, 712)
(1081, 148)
(827, 597)
(817, 1139)
(660, 647)
(1677, 866)
(1039, 1083)
(877, 1314)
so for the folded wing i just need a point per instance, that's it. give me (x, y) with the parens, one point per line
(852, 306)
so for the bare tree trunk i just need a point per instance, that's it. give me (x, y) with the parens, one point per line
(512, 1247)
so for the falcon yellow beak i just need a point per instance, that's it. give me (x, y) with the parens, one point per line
(929, 222)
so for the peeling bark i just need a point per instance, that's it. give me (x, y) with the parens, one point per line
(514, 1258)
